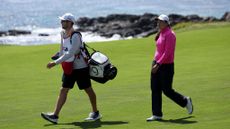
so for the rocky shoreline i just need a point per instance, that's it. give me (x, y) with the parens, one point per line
(135, 25)
(125, 25)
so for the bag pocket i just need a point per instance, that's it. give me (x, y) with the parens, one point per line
(67, 67)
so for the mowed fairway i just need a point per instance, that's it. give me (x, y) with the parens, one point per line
(202, 71)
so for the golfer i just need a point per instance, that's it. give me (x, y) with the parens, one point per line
(80, 74)
(163, 70)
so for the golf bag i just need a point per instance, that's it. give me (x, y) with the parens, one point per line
(101, 70)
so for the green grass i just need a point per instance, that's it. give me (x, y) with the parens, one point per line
(185, 26)
(202, 71)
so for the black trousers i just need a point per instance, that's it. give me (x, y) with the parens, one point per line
(162, 81)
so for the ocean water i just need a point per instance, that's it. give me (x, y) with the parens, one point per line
(41, 16)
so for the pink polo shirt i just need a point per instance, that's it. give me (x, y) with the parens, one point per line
(165, 46)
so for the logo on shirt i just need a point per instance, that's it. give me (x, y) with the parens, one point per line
(65, 49)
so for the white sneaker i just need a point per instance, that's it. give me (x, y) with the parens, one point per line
(50, 117)
(152, 118)
(93, 116)
(189, 105)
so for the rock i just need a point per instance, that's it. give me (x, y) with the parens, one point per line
(210, 19)
(43, 34)
(226, 17)
(176, 18)
(194, 18)
(125, 25)
(18, 32)
(122, 17)
(84, 22)
(3, 33)
(102, 20)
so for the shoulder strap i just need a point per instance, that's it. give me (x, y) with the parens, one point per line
(83, 43)
(61, 46)
(90, 47)
(75, 32)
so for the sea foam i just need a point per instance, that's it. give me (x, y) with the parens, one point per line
(49, 36)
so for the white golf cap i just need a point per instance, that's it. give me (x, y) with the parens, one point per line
(164, 17)
(68, 17)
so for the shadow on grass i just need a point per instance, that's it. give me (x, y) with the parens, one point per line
(90, 124)
(180, 120)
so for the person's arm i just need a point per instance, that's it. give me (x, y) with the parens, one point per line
(170, 42)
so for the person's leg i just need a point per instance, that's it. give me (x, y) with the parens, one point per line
(67, 84)
(92, 97)
(167, 80)
(94, 115)
(84, 83)
(61, 100)
(156, 95)
(53, 117)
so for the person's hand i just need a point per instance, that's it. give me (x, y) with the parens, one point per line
(155, 68)
(50, 65)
